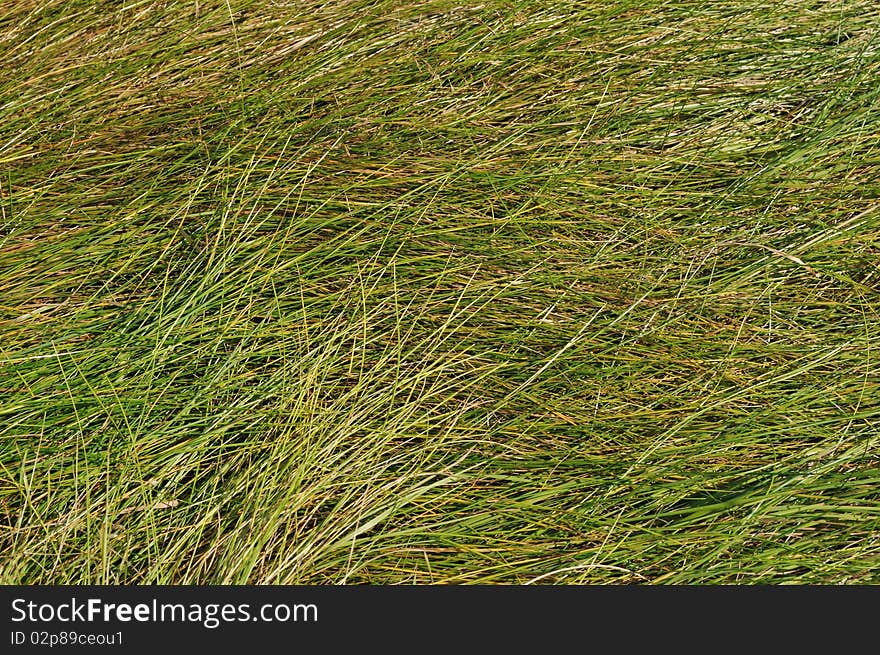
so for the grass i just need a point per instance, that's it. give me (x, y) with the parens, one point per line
(434, 292)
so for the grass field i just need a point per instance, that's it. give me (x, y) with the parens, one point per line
(436, 292)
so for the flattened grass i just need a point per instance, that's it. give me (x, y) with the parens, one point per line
(419, 292)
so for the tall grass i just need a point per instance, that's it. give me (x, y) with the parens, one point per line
(436, 292)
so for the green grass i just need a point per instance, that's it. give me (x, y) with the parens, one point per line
(391, 292)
